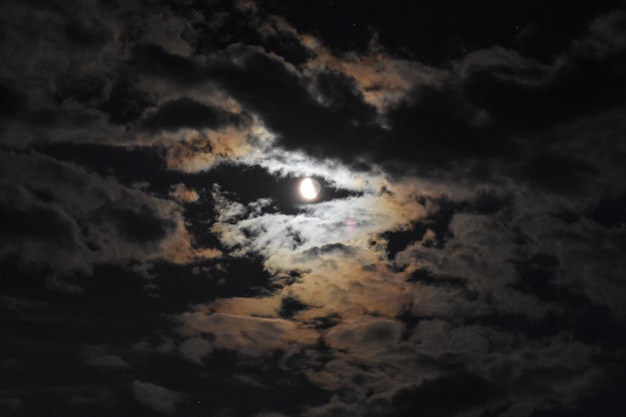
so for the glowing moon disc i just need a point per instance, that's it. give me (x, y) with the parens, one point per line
(309, 188)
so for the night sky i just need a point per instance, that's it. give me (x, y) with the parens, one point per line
(465, 255)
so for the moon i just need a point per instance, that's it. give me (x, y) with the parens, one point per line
(309, 188)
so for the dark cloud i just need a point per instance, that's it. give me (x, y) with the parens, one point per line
(400, 240)
(438, 220)
(140, 226)
(55, 211)
(425, 277)
(85, 89)
(557, 173)
(209, 280)
(434, 133)
(225, 26)
(289, 306)
(90, 35)
(155, 60)
(188, 113)
(316, 252)
(39, 222)
(587, 320)
(125, 102)
(469, 121)
(269, 88)
(582, 85)
(134, 165)
(609, 212)
(326, 322)
(156, 397)
(444, 31)
(11, 101)
(442, 396)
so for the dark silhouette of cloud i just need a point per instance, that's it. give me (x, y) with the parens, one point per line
(188, 113)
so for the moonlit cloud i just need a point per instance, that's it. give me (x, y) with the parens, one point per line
(463, 256)
(250, 335)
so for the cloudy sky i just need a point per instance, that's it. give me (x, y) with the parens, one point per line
(464, 257)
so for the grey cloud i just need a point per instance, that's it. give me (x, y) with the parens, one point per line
(476, 116)
(104, 357)
(586, 255)
(37, 222)
(424, 276)
(10, 405)
(11, 101)
(365, 338)
(20, 305)
(251, 336)
(484, 117)
(330, 248)
(106, 361)
(91, 34)
(156, 397)
(77, 82)
(442, 396)
(188, 113)
(125, 102)
(274, 90)
(56, 214)
(301, 122)
(558, 173)
(141, 225)
(195, 349)
(154, 59)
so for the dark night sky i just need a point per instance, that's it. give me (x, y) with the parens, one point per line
(464, 258)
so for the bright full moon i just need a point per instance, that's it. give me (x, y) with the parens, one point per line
(309, 188)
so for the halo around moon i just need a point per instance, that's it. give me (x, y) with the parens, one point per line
(309, 188)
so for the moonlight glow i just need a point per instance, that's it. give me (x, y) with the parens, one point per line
(309, 188)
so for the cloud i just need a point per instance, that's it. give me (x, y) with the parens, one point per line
(157, 61)
(196, 151)
(190, 114)
(349, 222)
(583, 251)
(440, 120)
(106, 361)
(10, 404)
(382, 79)
(253, 336)
(103, 357)
(433, 397)
(464, 257)
(365, 339)
(195, 349)
(156, 397)
(450, 303)
(61, 216)
(182, 194)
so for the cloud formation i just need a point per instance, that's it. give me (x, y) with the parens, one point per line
(464, 256)
(156, 397)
